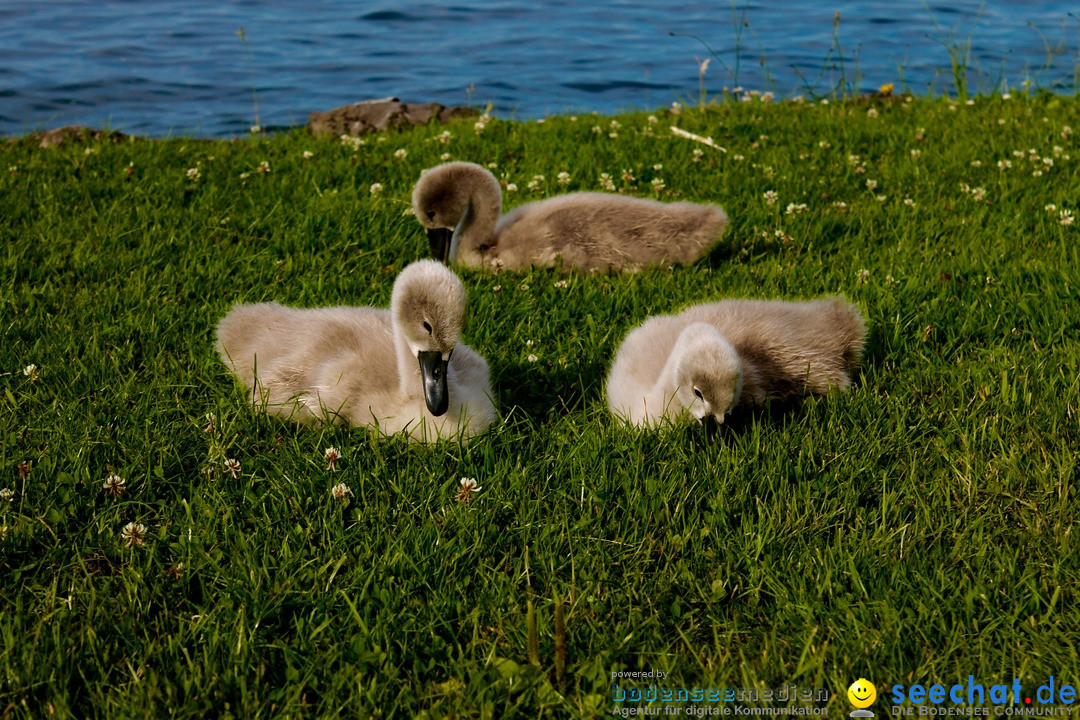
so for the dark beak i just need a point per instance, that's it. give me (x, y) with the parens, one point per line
(711, 426)
(433, 374)
(439, 239)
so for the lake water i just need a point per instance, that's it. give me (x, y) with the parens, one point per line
(158, 68)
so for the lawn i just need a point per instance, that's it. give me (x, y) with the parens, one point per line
(919, 528)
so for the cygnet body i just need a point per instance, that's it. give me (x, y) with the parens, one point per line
(459, 204)
(710, 358)
(397, 370)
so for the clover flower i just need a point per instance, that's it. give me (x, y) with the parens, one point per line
(133, 534)
(468, 490)
(340, 491)
(375, 188)
(114, 484)
(31, 371)
(770, 197)
(232, 466)
(332, 456)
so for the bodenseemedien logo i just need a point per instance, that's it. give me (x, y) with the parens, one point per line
(862, 695)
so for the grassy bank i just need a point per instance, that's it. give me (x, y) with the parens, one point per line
(920, 528)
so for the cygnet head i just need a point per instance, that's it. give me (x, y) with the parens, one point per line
(444, 200)
(708, 373)
(428, 309)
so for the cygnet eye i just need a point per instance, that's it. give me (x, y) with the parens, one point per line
(430, 214)
(483, 248)
(427, 326)
(699, 395)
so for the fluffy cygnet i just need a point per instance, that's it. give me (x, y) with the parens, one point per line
(459, 205)
(710, 358)
(396, 370)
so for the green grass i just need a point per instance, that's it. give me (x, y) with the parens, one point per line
(921, 527)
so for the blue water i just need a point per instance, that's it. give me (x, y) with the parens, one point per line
(157, 68)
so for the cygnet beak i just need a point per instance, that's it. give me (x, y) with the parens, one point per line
(712, 424)
(433, 372)
(439, 239)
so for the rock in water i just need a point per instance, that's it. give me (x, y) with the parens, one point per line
(370, 116)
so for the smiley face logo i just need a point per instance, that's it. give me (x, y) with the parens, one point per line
(862, 693)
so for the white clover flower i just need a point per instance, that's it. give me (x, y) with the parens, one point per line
(909, 202)
(768, 96)
(698, 152)
(652, 120)
(1004, 164)
(444, 157)
(871, 184)
(1051, 208)
(308, 154)
(978, 193)
(114, 484)
(332, 455)
(563, 178)
(375, 188)
(770, 197)
(532, 358)
(31, 371)
(264, 167)
(1037, 173)
(340, 491)
(606, 182)
(7, 494)
(872, 112)
(561, 284)
(193, 173)
(657, 184)
(795, 208)
(882, 198)
(1066, 217)
(840, 205)
(596, 130)
(445, 137)
(533, 184)
(862, 276)
(676, 108)
(232, 466)
(511, 187)
(976, 163)
(1066, 132)
(401, 153)
(256, 129)
(824, 144)
(133, 534)
(890, 281)
(469, 488)
(915, 153)
(244, 176)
